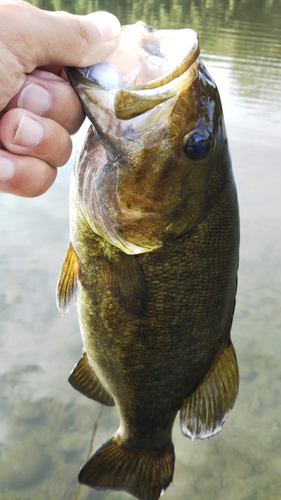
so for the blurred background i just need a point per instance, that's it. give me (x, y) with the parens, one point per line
(45, 426)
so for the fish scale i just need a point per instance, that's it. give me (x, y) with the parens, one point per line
(152, 263)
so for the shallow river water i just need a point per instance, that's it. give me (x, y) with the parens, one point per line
(45, 426)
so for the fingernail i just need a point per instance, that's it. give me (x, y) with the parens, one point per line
(107, 24)
(29, 133)
(34, 98)
(6, 169)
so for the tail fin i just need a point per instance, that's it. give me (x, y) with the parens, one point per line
(143, 474)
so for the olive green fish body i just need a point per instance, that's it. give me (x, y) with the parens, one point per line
(152, 264)
(191, 284)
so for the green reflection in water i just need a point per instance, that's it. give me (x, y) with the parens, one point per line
(212, 16)
(246, 31)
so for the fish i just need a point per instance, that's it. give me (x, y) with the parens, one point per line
(153, 255)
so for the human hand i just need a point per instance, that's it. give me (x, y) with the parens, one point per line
(38, 107)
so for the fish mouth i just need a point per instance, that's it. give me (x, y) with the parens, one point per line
(130, 100)
(149, 67)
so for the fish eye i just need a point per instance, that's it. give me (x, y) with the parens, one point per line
(197, 144)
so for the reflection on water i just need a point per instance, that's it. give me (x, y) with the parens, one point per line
(45, 426)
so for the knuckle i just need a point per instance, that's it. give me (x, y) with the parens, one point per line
(45, 180)
(84, 31)
(75, 122)
(59, 150)
(56, 146)
(32, 177)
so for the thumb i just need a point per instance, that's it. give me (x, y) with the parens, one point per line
(41, 37)
(31, 37)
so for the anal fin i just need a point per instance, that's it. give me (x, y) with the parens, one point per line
(84, 380)
(68, 284)
(205, 410)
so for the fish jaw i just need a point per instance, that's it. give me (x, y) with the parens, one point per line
(161, 62)
(143, 180)
(146, 58)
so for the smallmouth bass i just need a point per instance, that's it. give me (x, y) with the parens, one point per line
(153, 255)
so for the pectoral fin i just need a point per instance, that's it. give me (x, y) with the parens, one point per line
(68, 284)
(84, 380)
(204, 412)
(126, 281)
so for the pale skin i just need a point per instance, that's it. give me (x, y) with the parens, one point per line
(39, 110)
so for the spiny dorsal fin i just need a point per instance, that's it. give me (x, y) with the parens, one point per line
(68, 284)
(84, 380)
(126, 281)
(204, 412)
(143, 474)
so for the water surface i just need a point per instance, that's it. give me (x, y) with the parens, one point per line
(46, 426)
